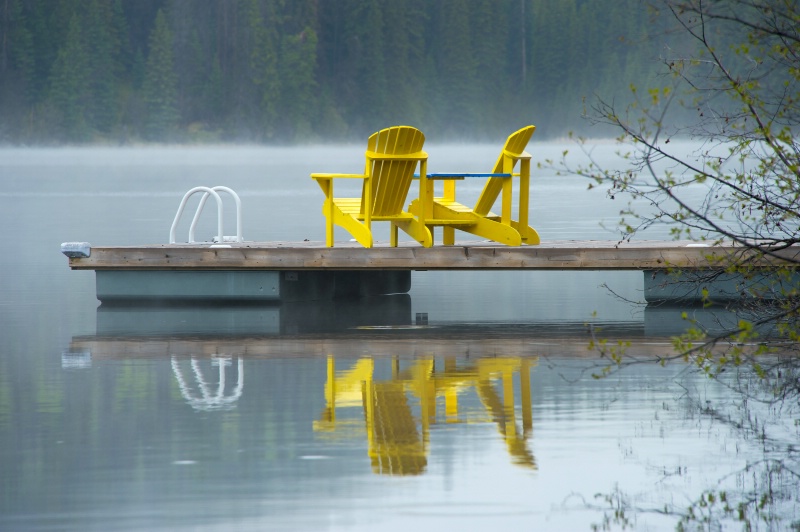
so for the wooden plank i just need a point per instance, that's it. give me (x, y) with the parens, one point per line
(554, 255)
(121, 347)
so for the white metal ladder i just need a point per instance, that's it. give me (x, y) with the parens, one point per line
(209, 191)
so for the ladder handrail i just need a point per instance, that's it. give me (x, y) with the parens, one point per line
(186, 197)
(238, 213)
(208, 191)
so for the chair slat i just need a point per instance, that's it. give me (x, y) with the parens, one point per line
(515, 144)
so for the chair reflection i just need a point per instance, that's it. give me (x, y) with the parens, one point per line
(202, 395)
(397, 441)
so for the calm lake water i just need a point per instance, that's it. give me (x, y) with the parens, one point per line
(328, 416)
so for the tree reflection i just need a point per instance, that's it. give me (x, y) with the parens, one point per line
(761, 415)
(397, 440)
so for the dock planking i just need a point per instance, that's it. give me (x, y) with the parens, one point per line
(392, 346)
(549, 255)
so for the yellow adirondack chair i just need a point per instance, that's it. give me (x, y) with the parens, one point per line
(392, 157)
(446, 212)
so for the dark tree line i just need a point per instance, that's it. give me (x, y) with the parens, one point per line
(290, 70)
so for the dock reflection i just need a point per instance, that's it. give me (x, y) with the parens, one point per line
(274, 320)
(391, 311)
(397, 440)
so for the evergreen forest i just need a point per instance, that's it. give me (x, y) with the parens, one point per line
(287, 71)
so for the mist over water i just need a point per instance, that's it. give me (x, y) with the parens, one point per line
(338, 416)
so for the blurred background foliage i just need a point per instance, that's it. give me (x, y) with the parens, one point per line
(285, 71)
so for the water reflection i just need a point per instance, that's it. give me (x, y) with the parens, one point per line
(714, 320)
(393, 403)
(206, 393)
(372, 423)
(76, 359)
(398, 441)
(283, 319)
(390, 312)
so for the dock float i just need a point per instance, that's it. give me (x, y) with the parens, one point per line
(288, 271)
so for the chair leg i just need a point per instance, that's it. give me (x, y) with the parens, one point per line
(393, 236)
(496, 231)
(329, 216)
(529, 235)
(359, 231)
(329, 233)
(416, 230)
(448, 235)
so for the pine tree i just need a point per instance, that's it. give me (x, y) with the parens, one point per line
(403, 52)
(496, 80)
(253, 79)
(16, 68)
(193, 28)
(70, 90)
(456, 63)
(296, 69)
(555, 57)
(160, 90)
(368, 29)
(263, 66)
(103, 48)
(16, 41)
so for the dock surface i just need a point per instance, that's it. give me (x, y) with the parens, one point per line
(299, 256)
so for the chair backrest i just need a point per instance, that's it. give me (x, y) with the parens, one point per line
(515, 145)
(396, 447)
(391, 178)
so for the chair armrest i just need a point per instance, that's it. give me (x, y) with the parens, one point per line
(523, 155)
(325, 181)
(332, 176)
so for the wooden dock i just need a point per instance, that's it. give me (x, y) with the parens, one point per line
(549, 255)
(309, 271)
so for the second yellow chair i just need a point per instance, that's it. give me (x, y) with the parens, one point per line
(448, 213)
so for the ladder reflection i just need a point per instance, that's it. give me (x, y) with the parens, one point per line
(209, 393)
(397, 441)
